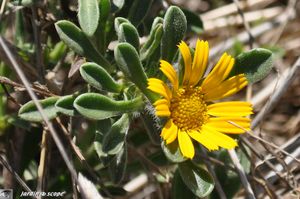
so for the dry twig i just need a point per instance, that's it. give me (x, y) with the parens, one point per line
(241, 173)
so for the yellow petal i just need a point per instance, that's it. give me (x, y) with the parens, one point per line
(199, 62)
(226, 88)
(234, 108)
(161, 101)
(185, 144)
(202, 139)
(186, 55)
(219, 72)
(172, 137)
(170, 73)
(218, 138)
(158, 86)
(163, 113)
(233, 125)
(169, 132)
(162, 109)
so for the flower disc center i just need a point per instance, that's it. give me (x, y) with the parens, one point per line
(188, 109)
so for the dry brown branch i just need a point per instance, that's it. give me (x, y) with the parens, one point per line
(17, 86)
(43, 164)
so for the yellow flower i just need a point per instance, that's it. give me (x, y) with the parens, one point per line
(188, 104)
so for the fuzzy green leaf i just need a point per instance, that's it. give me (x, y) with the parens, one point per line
(105, 6)
(103, 127)
(198, 180)
(117, 166)
(179, 189)
(128, 33)
(65, 105)
(138, 10)
(97, 77)
(98, 107)
(172, 152)
(255, 64)
(157, 20)
(78, 41)
(174, 26)
(128, 61)
(114, 140)
(152, 43)
(18, 122)
(29, 111)
(118, 22)
(58, 51)
(88, 16)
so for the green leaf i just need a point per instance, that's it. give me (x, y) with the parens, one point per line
(118, 22)
(255, 64)
(194, 22)
(128, 33)
(172, 152)
(156, 21)
(175, 26)
(65, 105)
(97, 77)
(99, 107)
(114, 140)
(128, 61)
(78, 41)
(179, 189)
(88, 16)
(18, 122)
(138, 11)
(58, 51)
(29, 111)
(103, 127)
(198, 180)
(117, 166)
(105, 6)
(152, 43)
(20, 32)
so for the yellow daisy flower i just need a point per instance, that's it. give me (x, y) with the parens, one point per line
(188, 105)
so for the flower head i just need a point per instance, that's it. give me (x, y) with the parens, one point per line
(188, 104)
